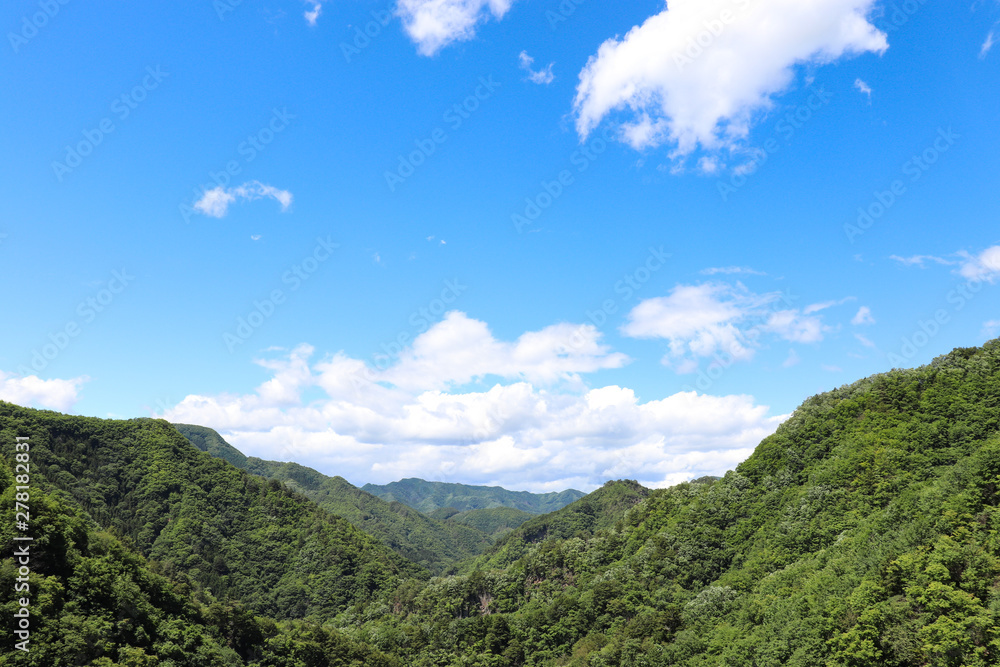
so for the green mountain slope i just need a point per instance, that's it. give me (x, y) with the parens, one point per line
(865, 531)
(429, 496)
(93, 601)
(229, 532)
(493, 521)
(435, 545)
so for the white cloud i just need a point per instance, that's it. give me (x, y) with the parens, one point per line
(31, 391)
(459, 350)
(542, 76)
(864, 340)
(523, 435)
(816, 307)
(863, 88)
(433, 24)
(215, 202)
(863, 317)
(987, 45)
(731, 270)
(920, 260)
(984, 266)
(832, 369)
(312, 15)
(991, 329)
(701, 72)
(793, 359)
(711, 319)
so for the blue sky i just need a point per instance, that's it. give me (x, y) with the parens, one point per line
(523, 243)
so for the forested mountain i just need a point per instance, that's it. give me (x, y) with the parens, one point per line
(227, 531)
(865, 531)
(432, 544)
(430, 496)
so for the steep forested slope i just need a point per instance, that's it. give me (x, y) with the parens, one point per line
(238, 535)
(866, 531)
(435, 545)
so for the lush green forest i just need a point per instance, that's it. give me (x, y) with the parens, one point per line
(435, 545)
(865, 531)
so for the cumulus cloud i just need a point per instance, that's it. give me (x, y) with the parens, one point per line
(542, 76)
(863, 317)
(433, 24)
(31, 391)
(459, 349)
(699, 73)
(720, 320)
(215, 202)
(984, 266)
(532, 433)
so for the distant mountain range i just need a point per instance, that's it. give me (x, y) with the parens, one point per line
(435, 540)
(430, 496)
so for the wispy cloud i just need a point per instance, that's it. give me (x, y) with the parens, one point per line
(716, 319)
(863, 88)
(921, 260)
(542, 76)
(987, 45)
(863, 317)
(215, 202)
(728, 270)
(991, 329)
(864, 340)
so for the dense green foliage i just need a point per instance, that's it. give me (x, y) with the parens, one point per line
(865, 531)
(429, 496)
(493, 521)
(227, 531)
(432, 544)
